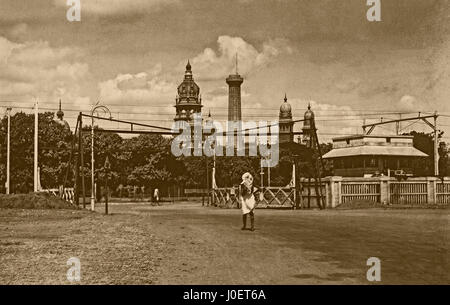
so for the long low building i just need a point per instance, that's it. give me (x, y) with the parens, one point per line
(363, 155)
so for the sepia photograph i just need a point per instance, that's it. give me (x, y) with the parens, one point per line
(219, 149)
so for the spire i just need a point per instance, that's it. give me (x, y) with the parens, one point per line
(285, 98)
(209, 114)
(309, 105)
(188, 66)
(60, 113)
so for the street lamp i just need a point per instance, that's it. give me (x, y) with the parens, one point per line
(107, 168)
(8, 153)
(95, 108)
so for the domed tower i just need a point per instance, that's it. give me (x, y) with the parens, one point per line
(188, 100)
(286, 125)
(308, 127)
(60, 118)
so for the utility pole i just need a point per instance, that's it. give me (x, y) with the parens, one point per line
(268, 157)
(207, 179)
(77, 171)
(81, 149)
(107, 167)
(8, 153)
(436, 154)
(105, 109)
(92, 164)
(36, 119)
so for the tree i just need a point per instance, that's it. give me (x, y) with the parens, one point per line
(54, 151)
(149, 160)
(425, 143)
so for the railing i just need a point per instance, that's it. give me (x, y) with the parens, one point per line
(385, 190)
(66, 194)
(443, 192)
(339, 190)
(408, 193)
(369, 191)
(271, 197)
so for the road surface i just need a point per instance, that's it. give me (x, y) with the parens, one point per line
(185, 243)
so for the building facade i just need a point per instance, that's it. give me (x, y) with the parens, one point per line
(367, 155)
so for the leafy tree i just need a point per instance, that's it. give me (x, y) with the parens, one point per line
(425, 143)
(53, 151)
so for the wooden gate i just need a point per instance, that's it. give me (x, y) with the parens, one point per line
(271, 197)
(225, 197)
(277, 197)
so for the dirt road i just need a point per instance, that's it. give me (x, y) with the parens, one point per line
(185, 243)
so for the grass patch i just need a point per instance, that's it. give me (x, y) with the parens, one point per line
(34, 201)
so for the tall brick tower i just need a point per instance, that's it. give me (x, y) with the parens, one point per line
(234, 82)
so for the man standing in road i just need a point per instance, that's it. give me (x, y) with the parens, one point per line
(247, 197)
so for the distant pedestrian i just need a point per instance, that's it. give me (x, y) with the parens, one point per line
(156, 196)
(120, 190)
(130, 191)
(142, 192)
(135, 191)
(247, 197)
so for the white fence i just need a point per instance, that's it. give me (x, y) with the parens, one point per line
(67, 194)
(386, 190)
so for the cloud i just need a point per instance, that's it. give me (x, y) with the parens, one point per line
(218, 91)
(118, 7)
(17, 31)
(35, 69)
(347, 85)
(215, 65)
(139, 90)
(331, 120)
(408, 103)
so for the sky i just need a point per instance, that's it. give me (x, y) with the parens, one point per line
(130, 55)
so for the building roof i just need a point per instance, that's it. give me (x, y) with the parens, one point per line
(373, 136)
(369, 150)
(285, 110)
(309, 114)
